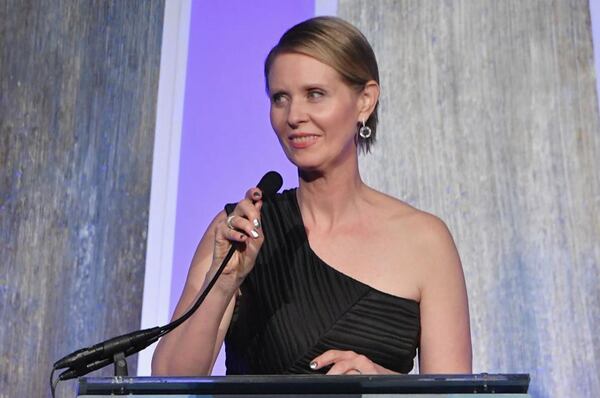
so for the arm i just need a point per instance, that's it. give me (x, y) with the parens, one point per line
(191, 349)
(445, 345)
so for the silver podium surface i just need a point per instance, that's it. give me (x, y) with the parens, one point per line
(501, 385)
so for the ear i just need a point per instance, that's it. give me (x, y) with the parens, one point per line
(367, 100)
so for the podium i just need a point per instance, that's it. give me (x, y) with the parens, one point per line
(308, 386)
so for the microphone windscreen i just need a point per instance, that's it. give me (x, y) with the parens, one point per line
(270, 183)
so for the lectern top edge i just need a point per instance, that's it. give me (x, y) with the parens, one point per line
(308, 384)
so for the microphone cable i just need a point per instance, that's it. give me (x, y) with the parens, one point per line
(89, 359)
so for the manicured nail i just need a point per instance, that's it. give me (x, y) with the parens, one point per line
(256, 195)
(254, 234)
(256, 223)
(313, 365)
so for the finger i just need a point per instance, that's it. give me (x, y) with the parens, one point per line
(258, 206)
(240, 224)
(234, 235)
(249, 211)
(329, 357)
(248, 206)
(254, 194)
(343, 367)
(354, 364)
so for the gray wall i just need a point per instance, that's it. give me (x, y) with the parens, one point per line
(78, 85)
(490, 120)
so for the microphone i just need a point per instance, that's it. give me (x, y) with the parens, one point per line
(269, 184)
(90, 366)
(99, 355)
(108, 348)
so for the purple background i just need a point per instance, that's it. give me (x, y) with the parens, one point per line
(227, 142)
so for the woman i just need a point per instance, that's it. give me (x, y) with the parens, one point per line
(332, 277)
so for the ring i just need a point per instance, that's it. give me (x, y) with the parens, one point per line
(228, 222)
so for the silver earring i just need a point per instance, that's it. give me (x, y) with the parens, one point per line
(365, 131)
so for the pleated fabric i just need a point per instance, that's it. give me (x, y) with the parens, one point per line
(293, 307)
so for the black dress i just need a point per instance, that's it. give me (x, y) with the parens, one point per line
(293, 307)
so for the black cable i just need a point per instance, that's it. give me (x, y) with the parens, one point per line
(77, 370)
(170, 326)
(88, 359)
(269, 188)
(104, 354)
(53, 383)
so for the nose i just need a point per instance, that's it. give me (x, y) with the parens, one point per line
(297, 113)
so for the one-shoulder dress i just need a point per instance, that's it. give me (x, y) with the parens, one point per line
(293, 307)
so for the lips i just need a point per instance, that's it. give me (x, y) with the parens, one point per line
(302, 140)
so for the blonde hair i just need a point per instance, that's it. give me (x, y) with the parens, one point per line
(340, 45)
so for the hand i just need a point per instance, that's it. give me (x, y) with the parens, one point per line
(348, 363)
(243, 229)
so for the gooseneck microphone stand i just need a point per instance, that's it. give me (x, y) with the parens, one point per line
(116, 349)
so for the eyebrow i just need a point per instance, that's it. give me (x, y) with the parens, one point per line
(304, 87)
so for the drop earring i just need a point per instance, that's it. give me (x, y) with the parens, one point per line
(364, 131)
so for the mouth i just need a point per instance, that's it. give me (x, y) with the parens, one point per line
(300, 141)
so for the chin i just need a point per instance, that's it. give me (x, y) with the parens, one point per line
(305, 162)
(308, 167)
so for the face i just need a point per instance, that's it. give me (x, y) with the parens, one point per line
(313, 112)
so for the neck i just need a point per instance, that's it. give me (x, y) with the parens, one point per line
(329, 196)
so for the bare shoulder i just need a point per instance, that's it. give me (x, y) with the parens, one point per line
(425, 235)
(425, 254)
(403, 214)
(430, 232)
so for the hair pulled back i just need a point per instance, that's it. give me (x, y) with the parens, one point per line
(338, 44)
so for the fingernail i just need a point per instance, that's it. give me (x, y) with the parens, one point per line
(254, 234)
(256, 223)
(242, 236)
(256, 195)
(313, 365)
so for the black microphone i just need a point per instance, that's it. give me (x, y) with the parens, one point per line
(99, 355)
(269, 185)
(90, 366)
(108, 348)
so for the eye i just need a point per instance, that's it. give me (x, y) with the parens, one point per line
(315, 94)
(278, 98)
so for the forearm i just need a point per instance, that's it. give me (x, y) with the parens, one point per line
(189, 349)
